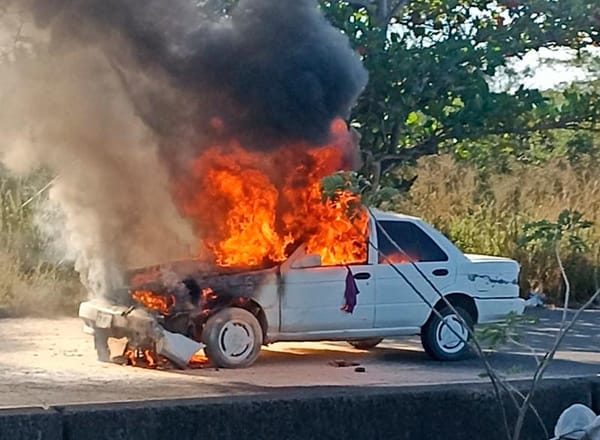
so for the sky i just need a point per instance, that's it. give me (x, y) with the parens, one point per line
(547, 69)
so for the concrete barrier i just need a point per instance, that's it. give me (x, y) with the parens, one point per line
(452, 412)
(30, 424)
(595, 384)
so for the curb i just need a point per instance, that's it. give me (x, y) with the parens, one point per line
(452, 412)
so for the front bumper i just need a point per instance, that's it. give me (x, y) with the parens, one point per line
(496, 309)
(139, 326)
(116, 320)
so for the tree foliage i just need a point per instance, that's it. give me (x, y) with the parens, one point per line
(567, 228)
(430, 64)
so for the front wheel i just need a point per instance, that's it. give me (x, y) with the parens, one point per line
(446, 340)
(233, 338)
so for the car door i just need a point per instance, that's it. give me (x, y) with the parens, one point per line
(313, 299)
(398, 304)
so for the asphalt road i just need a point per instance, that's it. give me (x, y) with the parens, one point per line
(52, 362)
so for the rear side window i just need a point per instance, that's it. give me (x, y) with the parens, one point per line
(412, 239)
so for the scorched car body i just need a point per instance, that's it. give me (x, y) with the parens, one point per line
(234, 314)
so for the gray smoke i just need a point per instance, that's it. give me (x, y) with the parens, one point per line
(115, 96)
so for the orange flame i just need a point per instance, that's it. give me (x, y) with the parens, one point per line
(207, 301)
(150, 359)
(130, 354)
(252, 208)
(397, 258)
(198, 360)
(142, 358)
(158, 303)
(209, 295)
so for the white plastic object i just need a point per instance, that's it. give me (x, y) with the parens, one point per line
(574, 422)
(177, 348)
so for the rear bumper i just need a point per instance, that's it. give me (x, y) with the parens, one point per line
(496, 309)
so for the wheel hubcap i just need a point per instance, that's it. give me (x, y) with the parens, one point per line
(235, 340)
(448, 333)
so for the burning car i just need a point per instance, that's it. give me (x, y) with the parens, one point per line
(173, 311)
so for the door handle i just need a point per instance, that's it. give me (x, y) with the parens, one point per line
(440, 272)
(362, 276)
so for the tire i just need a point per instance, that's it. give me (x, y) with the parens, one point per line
(233, 338)
(365, 344)
(440, 342)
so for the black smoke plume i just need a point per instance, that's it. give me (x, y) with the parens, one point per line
(274, 71)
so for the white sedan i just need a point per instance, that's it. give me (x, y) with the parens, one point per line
(391, 294)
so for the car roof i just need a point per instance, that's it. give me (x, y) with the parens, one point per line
(386, 215)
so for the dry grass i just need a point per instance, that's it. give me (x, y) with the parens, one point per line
(486, 214)
(480, 214)
(42, 291)
(29, 285)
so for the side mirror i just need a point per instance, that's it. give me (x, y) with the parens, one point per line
(307, 261)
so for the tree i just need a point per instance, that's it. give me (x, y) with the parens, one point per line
(381, 11)
(430, 65)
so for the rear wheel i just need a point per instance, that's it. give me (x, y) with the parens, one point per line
(233, 338)
(446, 340)
(365, 344)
